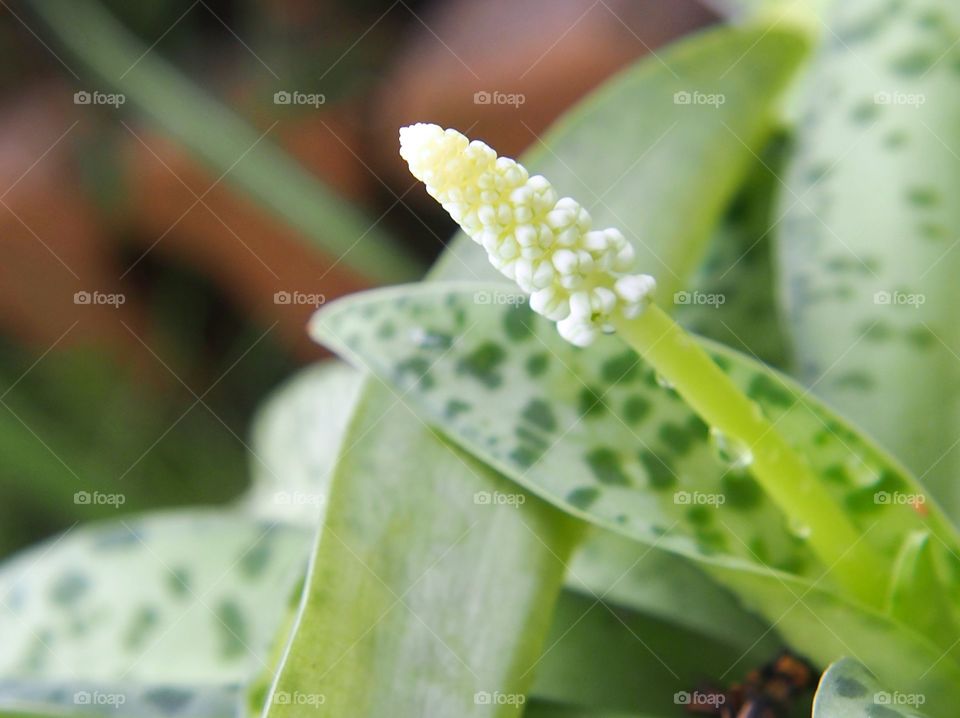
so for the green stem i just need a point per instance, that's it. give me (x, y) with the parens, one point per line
(229, 145)
(782, 473)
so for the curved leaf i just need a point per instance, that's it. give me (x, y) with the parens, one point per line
(849, 690)
(134, 599)
(295, 440)
(867, 243)
(593, 433)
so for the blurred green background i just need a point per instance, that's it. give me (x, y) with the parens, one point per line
(165, 216)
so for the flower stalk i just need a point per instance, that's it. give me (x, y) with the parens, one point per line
(579, 277)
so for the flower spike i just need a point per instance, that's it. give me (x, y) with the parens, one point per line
(575, 275)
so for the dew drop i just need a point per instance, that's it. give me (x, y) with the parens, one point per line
(861, 473)
(799, 529)
(732, 452)
(663, 382)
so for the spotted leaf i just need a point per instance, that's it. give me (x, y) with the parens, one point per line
(867, 242)
(849, 690)
(595, 433)
(188, 597)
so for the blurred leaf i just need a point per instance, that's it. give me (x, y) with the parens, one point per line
(867, 258)
(849, 690)
(296, 437)
(134, 600)
(916, 595)
(636, 662)
(78, 422)
(669, 588)
(659, 151)
(732, 298)
(223, 140)
(437, 614)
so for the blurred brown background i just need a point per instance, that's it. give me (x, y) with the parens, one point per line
(151, 394)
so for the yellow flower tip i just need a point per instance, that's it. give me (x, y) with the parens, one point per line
(576, 275)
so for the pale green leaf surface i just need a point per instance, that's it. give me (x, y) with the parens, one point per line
(732, 297)
(640, 663)
(866, 245)
(135, 599)
(659, 170)
(848, 690)
(21, 698)
(295, 439)
(438, 615)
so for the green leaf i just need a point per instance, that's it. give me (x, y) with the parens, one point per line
(231, 147)
(296, 436)
(638, 662)
(732, 297)
(386, 597)
(849, 690)
(594, 433)
(916, 595)
(295, 440)
(135, 600)
(668, 588)
(866, 244)
(30, 698)
(659, 170)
